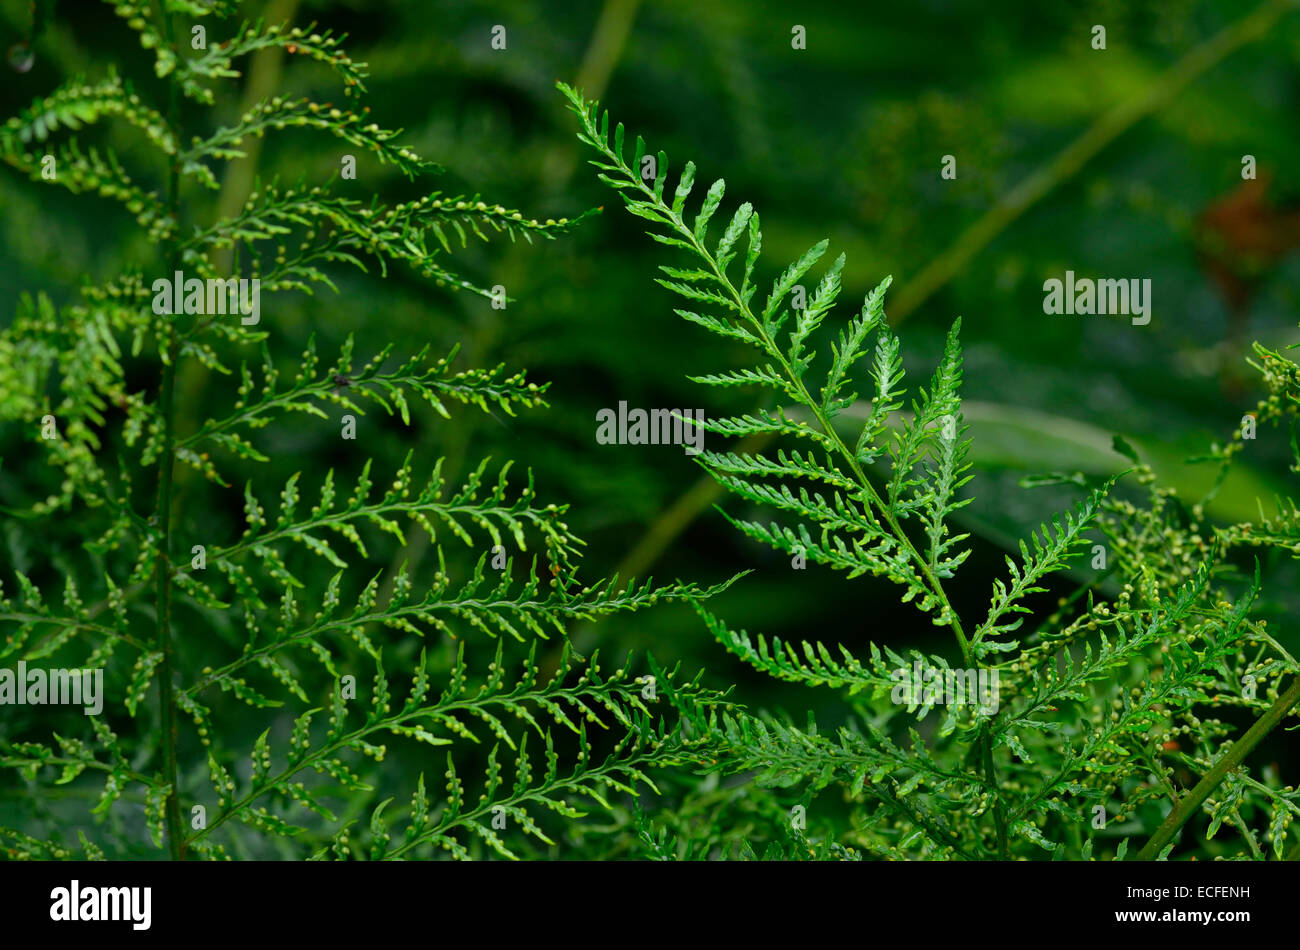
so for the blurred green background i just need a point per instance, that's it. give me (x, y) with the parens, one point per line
(843, 139)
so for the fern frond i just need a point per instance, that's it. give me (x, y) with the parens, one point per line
(68, 384)
(496, 515)
(786, 369)
(344, 385)
(464, 707)
(499, 608)
(218, 61)
(869, 764)
(1066, 680)
(88, 171)
(814, 664)
(935, 410)
(1107, 750)
(850, 347)
(1053, 547)
(887, 373)
(79, 102)
(785, 465)
(765, 423)
(351, 230)
(279, 113)
(947, 475)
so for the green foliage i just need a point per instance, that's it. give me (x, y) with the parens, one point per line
(426, 553)
(1097, 714)
(245, 627)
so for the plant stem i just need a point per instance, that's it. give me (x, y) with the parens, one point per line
(1065, 164)
(162, 513)
(985, 742)
(1227, 762)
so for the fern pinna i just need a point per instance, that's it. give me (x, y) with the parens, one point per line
(1095, 715)
(274, 619)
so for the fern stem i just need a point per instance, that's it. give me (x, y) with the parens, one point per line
(1066, 163)
(991, 776)
(162, 515)
(1184, 810)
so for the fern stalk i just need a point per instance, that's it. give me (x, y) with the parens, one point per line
(166, 461)
(1230, 760)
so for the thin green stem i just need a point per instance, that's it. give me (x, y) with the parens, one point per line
(1184, 810)
(162, 514)
(1064, 165)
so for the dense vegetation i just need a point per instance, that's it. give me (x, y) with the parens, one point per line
(330, 554)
